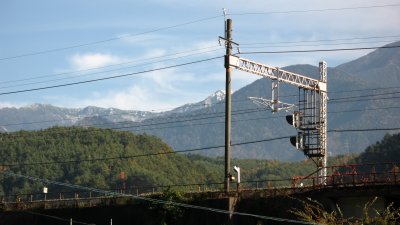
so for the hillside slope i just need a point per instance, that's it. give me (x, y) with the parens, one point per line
(95, 158)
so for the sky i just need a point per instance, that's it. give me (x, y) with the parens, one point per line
(163, 54)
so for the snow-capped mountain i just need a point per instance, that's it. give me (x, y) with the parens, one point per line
(40, 116)
(215, 98)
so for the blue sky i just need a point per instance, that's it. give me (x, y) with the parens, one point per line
(129, 39)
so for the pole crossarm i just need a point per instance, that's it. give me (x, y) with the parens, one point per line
(276, 73)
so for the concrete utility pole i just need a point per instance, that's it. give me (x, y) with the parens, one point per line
(228, 44)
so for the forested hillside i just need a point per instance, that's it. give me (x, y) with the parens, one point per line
(96, 157)
(384, 151)
(83, 156)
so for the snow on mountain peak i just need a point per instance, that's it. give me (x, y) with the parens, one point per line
(214, 98)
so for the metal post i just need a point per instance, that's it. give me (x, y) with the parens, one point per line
(228, 104)
(323, 101)
(70, 221)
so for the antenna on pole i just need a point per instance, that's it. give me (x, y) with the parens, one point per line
(224, 13)
(225, 28)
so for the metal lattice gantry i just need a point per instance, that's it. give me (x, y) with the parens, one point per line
(312, 106)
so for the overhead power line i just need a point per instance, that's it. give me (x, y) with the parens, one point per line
(363, 96)
(365, 99)
(363, 130)
(206, 113)
(146, 61)
(112, 77)
(183, 151)
(193, 62)
(139, 155)
(106, 71)
(183, 122)
(197, 116)
(158, 124)
(109, 39)
(311, 45)
(322, 40)
(184, 24)
(315, 10)
(319, 50)
(247, 120)
(365, 89)
(56, 218)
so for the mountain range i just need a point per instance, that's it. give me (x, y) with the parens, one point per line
(362, 95)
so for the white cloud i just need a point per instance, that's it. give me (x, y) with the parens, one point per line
(133, 98)
(160, 90)
(93, 60)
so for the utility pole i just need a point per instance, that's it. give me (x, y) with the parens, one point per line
(228, 44)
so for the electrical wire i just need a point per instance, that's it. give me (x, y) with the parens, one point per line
(193, 62)
(158, 124)
(363, 96)
(184, 24)
(56, 218)
(252, 119)
(322, 44)
(147, 59)
(183, 151)
(147, 199)
(108, 40)
(112, 65)
(366, 99)
(315, 10)
(364, 130)
(139, 155)
(322, 40)
(320, 50)
(366, 89)
(111, 77)
(181, 118)
(207, 113)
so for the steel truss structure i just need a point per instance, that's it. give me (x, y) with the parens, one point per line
(311, 118)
